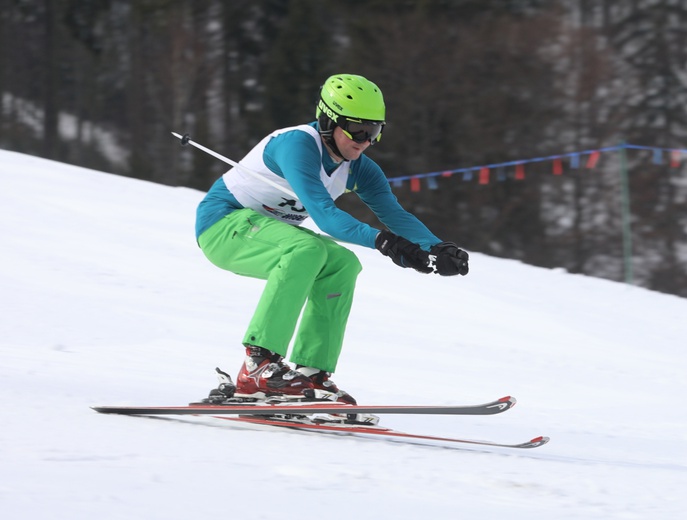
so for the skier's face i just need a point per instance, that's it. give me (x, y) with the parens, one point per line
(347, 146)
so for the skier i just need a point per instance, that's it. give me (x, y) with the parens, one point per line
(248, 224)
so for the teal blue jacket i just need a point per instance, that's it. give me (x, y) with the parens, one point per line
(294, 156)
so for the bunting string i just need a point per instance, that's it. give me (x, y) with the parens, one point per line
(485, 174)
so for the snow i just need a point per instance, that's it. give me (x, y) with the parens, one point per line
(106, 299)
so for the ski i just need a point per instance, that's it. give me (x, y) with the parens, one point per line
(339, 418)
(262, 408)
(378, 431)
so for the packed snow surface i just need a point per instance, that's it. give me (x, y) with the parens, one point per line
(106, 299)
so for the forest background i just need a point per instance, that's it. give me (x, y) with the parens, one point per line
(102, 84)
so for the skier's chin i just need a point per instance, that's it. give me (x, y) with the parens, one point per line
(352, 155)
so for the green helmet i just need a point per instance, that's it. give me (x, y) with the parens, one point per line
(352, 97)
(353, 103)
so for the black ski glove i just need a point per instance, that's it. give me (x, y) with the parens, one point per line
(403, 252)
(450, 260)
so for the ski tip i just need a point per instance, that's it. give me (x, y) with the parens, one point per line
(536, 442)
(500, 405)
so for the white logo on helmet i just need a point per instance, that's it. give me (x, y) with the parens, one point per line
(330, 113)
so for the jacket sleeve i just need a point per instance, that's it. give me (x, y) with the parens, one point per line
(373, 189)
(297, 158)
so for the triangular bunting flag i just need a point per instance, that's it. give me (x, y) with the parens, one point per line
(675, 158)
(658, 156)
(575, 160)
(557, 166)
(484, 175)
(519, 172)
(593, 159)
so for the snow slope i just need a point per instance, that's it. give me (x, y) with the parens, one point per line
(105, 299)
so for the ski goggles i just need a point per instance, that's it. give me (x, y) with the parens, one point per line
(362, 131)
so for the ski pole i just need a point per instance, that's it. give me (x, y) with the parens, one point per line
(186, 139)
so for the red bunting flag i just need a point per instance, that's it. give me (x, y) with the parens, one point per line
(593, 159)
(447, 174)
(415, 184)
(519, 171)
(484, 175)
(675, 158)
(557, 166)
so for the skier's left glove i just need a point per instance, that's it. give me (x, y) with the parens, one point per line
(450, 259)
(403, 252)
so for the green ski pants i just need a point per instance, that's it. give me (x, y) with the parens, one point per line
(302, 268)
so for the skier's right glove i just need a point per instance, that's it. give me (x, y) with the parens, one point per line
(450, 259)
(403, 252)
